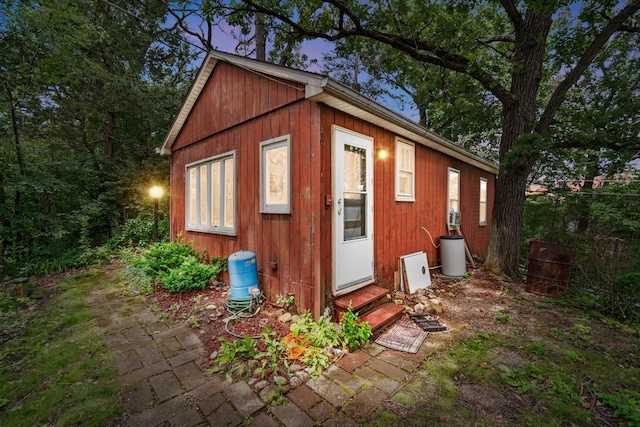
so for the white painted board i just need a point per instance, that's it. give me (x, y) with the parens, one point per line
(417, 272)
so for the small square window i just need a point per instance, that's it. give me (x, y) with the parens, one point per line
(275, 175)
(405, 171)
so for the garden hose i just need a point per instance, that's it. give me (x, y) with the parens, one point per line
(244, 307)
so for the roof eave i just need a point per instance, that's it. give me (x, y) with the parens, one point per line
(337, 95)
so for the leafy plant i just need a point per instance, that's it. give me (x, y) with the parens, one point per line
(287, 301)
(270, 357)
(232, 354)
(625, 403)
(355, 332)
(323, 333)
(190, 275)
(164, 257)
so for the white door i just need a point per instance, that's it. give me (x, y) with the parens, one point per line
(352, 210)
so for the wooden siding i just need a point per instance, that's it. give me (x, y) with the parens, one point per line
(398, 225)
(232, 96)
(288, 239)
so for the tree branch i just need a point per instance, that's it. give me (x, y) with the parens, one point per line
(419, 50)
(512, 12)
(558, 96)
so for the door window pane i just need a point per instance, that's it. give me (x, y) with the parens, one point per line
(355, 216)
(355, 168)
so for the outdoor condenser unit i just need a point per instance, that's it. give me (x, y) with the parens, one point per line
(454, 218)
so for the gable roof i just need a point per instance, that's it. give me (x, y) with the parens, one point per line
(324, 89)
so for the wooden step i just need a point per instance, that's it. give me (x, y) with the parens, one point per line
(383, 315)
(361, 297)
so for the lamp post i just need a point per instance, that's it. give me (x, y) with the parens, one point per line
(156, 193)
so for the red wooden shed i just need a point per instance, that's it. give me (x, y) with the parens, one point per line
(327, 187)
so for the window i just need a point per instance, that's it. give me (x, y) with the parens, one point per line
(275, 175)
(483, 201)
(405, 171)
(211, 195)
(453, 191)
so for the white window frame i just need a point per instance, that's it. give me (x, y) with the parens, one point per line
(205, 225)
(483, 202)
(405, 145)
(449, 198)
(265, 205)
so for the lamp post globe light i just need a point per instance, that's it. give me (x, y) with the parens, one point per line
(156, 194)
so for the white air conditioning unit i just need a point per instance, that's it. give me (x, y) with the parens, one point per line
(454, 218)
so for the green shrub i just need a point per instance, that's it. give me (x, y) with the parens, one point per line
(166, 256)
(190, 275)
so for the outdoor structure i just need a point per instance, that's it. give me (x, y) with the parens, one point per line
(327, 187)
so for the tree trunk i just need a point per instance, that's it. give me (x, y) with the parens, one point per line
(519, 117)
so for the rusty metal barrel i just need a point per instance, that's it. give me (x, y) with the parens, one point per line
(549, 268)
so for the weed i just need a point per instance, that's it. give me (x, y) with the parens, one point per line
(194, 322)
(354, 331)
(536, 349)
(502, 316)
(286, 301)
(625, 403)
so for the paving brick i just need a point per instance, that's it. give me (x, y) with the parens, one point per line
(190, 376)
(372, 348)
(134, 333)
(165, 385)
(189, 418)
(138, 397)
(214, 384)
(398, 359)
(114, 340)
(377, 379)
(321, 412)
(171, 346)
(126, 360)
(262, 419)
(243, 398)
(161, 413)
(353, 360)
(188, 339)
(344, 378)
(290, 415)
(185, 357)
(388, 369)
(340, 421)
(145, 372)
(210, 403)
(364, 403)
(225, 415)
(329, 391)
(149, 354)
(304, 397)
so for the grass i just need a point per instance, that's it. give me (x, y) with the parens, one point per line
(54, 368)
(564, 375)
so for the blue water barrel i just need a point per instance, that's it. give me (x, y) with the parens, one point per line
(243, 273)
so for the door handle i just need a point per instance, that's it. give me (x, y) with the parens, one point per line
(339, 206)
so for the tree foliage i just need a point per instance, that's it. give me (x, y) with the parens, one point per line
(86, 91)
(531, 58)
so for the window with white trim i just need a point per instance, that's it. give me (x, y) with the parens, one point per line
(483, 201)
(453, 191)
(405, 171)
(275, 175)
(211, 195)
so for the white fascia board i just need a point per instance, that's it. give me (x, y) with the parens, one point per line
(345, 99)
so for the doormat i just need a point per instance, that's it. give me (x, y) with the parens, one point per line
(403, 336)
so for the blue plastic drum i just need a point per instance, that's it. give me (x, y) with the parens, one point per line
(243, 273)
